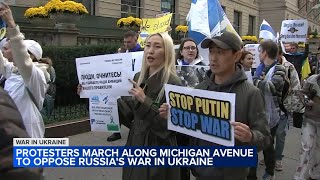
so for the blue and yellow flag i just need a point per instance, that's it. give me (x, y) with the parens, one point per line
(3, 29)
(305, 71)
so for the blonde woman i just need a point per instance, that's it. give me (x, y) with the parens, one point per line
(148, 128)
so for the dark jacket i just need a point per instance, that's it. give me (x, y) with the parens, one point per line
(250, 110)
(11, 126)
(136, 48)
(149, 129)
(298, 59)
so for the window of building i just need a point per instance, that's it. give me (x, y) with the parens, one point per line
(130, 8)
(89, 4)
(300, 4)
(252, 25)
(237, 21)
(168, 6)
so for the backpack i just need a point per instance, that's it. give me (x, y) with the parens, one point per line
(285, 91)
(52, 85)
(48, 104)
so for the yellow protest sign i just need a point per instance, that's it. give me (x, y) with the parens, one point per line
(153, 25)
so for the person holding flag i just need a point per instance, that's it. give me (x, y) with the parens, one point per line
(266, 33)
(299, 60)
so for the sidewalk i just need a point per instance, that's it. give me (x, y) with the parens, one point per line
(291, 153)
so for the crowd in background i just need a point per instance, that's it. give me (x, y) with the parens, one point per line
(264, 105)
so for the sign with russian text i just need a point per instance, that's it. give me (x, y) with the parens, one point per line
(202, 114)
(107, 74)
(294, 30)
(137, 58)
(254, 49)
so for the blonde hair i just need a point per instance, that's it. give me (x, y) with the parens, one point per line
(168, 66)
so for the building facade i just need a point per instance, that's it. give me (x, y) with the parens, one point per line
(246, 15)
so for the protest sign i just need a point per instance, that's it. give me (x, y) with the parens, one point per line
(152, 26)
(249, 76)
(137, 58)
(202, 114)
(104, 113)
(254, 49)
(3, 29)
(106, 74)
(294, 30)
(191, 75)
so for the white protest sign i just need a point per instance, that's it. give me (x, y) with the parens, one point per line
(294, 30)
(104, 115)
(137, 58)
(202, 114)
(254, 49)
(249, 76)
(107, 74)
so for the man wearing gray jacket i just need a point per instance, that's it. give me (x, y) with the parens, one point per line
(225, 75)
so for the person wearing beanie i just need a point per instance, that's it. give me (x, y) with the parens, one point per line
(26, 82)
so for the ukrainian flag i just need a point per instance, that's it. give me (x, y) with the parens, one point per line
(207, 19)
(305, 71)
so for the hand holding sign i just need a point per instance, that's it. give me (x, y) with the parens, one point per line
(242, 132)
(6, 15)
(163, 111)
(137, 92)
(79, 89)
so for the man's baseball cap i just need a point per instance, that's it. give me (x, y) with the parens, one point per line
(226, 40)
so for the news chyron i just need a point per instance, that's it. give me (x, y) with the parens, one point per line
(56, 152)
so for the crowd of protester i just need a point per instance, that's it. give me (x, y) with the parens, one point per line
(264, 105)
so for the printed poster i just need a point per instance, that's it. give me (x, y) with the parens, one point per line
(202, 114)
(137, 58)
(254, 49)
(106, 74)
(152, 26)
(249, 76)
(104, 115)
(294, 30)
